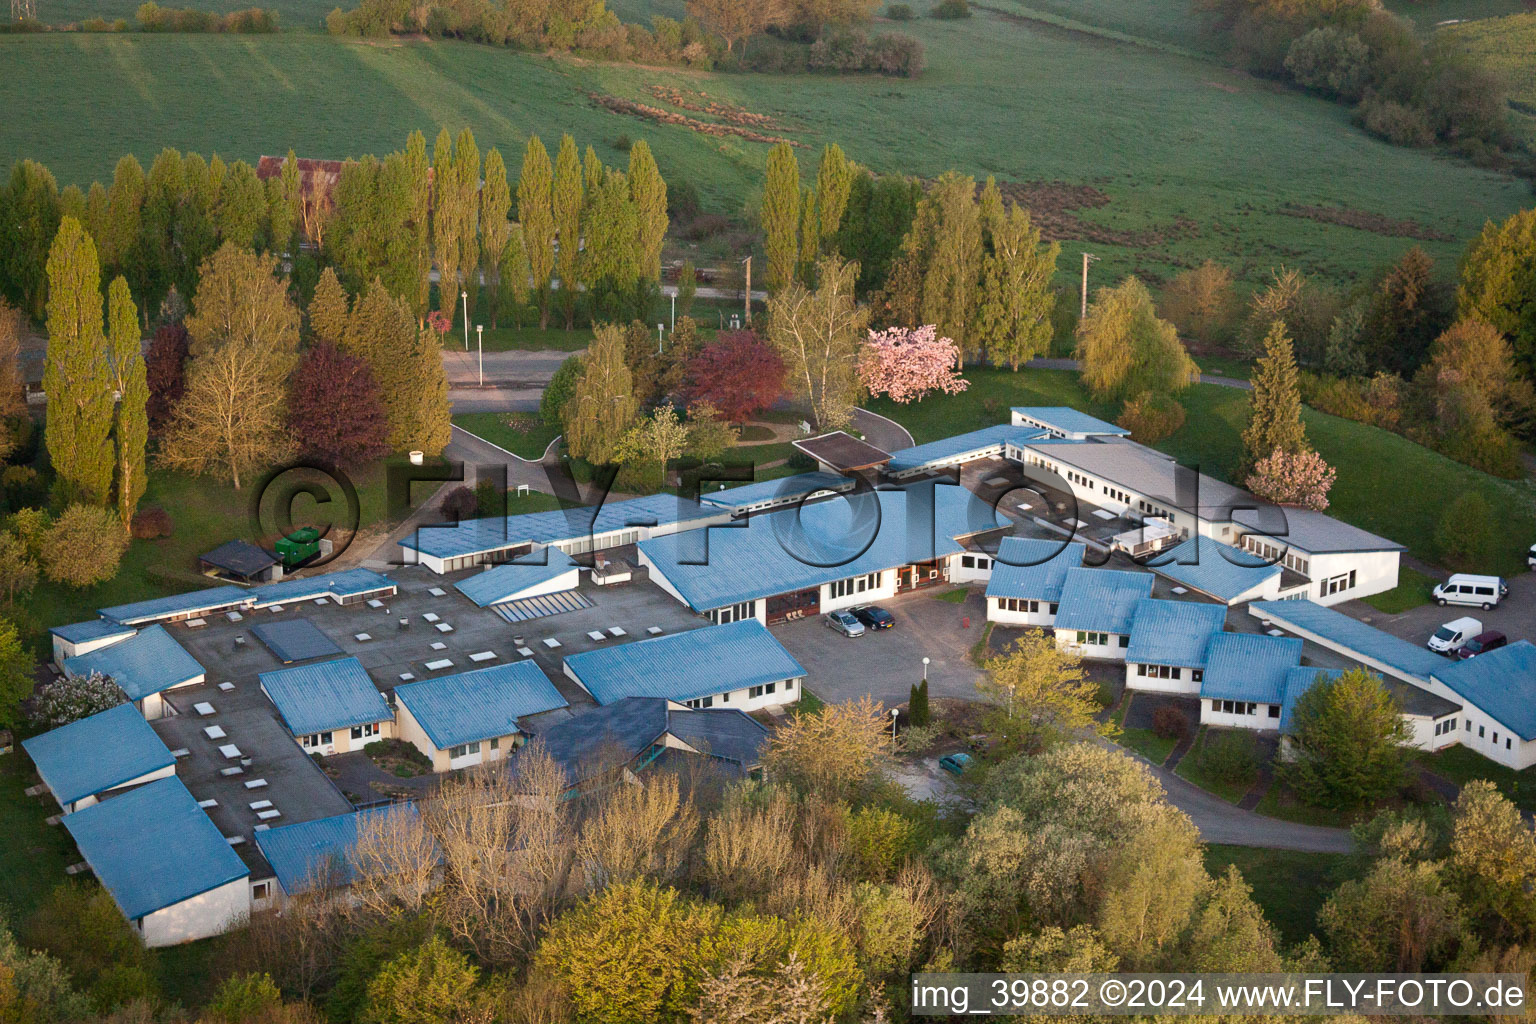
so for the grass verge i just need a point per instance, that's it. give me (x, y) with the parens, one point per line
(1411, 591)
(1193, 769)
(523, 434)
(1145, 742)
(1290, 887)
(1461, 766)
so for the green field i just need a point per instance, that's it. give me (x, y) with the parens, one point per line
(1387, 484)
(1194, 160)
(1507, 46)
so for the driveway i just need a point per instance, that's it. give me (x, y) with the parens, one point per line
(1515, 616)
(511, 381)
(886, 663)
(1073, 364)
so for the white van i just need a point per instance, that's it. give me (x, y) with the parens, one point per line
(1453, 634)
(1464, 588)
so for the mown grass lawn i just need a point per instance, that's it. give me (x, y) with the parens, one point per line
(522, 434)
(1145, 742)
(1412, 590)
(1461, 766)
(1193, 769)
(1290, 887)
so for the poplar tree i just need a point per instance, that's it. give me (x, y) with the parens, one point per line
(592, 169)
(611, 260)
(132, 409)
(33, 210)
(421, 221)
(834, 181)
(75, 377)
(283, 212)
(406, 362)
(603, 405)
(1274, 420)
(536, 217)
(954, 261)
(513, 275)
(125, 206)
(447, 223)
(328, 309)
(495, 229)
(567, 202)
(466, 167)
(780, 215)
(98, 224)
(649, 193)
(809, 238)
(1013, 319)
(240, 211)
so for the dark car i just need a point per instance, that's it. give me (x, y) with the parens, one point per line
(1482, 644)
(873, 616)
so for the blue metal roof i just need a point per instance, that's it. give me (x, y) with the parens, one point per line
(1173, 632)
(508, 580)
(803, 547)
(1101, 600)
(1297, 682)
(95, 629)
(147, 662)
(346, 583)
(95, 754)
(326, 696)
(1033, 569)
(1502, 683)
(684, 666)
(1211, 567)
(1358, 640)
(473, 536)
(153, 847)
(785, 489)
(1249, 666)
(308, 852)
(961, 444)
(480, 704)
(1069, 420)
(292, 640)
(177, 604)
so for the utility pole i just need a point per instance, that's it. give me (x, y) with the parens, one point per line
(464, 297)
(748, 299)
(1088, 257)
(480, 340)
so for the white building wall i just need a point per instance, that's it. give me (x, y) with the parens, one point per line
(784, 691)
(1266, 717)
(408, 729)
(1476, 730)
(978, 571)
(212, 913)
(1045, 617)
(1421, 733)
(1375, 572)
(342, 741)
(88, 801)
(64, 649)
(885, 587)
(1112, 651)
(1184, 683)
(153, 706)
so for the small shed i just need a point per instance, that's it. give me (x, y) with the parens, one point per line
(241, 562)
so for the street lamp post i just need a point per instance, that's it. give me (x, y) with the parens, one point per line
(925, 670)
(464, 297)
(659, 329)
(480, 341)
(894, 713)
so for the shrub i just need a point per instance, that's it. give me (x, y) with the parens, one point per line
(1150, 417)
(1169, 723)
(1398, 124)
(1464, 536)
(20, 486)
(151, 522)
(1330, 61)
(1230, 756)
(83, 547)
(895, 54)
(949, 10)
(459, 504)
(881, 840)
(900, 12)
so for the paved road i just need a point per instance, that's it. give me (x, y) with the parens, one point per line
(881, 432)
(1073, 364)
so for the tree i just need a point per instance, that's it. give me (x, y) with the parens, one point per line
(244, 998)
(328, 309)
(80, 924)
(16, 680)
(611, 260)
(125, 204)
(649, 193)
(71, 698)
(1038, 688)
(567, 201)
(738, 374)
(1201, 303)
(909, 364)
(878, 217)
(1464, 537)
(75, 376)
(817, 335)
(1493, 862)
(513, 278)
(165, 374)
(1126, 350)
(495, 229)
(733, 21)
(32, 214)
(18, 568)
(709, 435)
(1013, 315)
(917, 705)
(466, 167)
(834, 181)
(536, 215)
(946, 232)
(602, 404)
(837, 752)
(83, 546)
(427, 985)
(13, 401)
(1350, 742)
(447, 222)
(657, 440)
(39, 988)
(558, 392)
(687, 285)
(1407, 309)
(1274, 418)
(780, 215)
(1302, 479)
(240, 207)
(1400, 917)
(335, 412)
(1498, 282)
(129, 381)
(240, 299)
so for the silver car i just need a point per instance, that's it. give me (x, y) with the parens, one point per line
(845, 623)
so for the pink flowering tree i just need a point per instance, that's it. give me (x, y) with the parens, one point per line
(907, 364)
(1301, 479)
(439, 322)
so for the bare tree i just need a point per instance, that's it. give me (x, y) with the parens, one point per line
(639, 830)
(745, 850)
(835, 752)
(394, 863)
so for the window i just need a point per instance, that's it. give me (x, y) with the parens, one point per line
(1335, 584)
(1237, 707)
(1099, 639)
(771, 687)
(1125, 641)
(1053, 608)
(1469, 725)
(854, 585)
(789, 684)
(735, 613)
(1479, 732)
(260, 890)
(754, 693)
(495, 742)
(1274, 711)
(1197, 675)
(360, 732)
(463, 750)
(700, 702)
(1160, 672)
(1017, 604)
(1495, 737)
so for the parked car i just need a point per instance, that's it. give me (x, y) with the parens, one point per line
(873, 616)
(845, 623)
(1465, 588)
(1530, 557)
(956, 764)
(1453, 634)
(1482, 644)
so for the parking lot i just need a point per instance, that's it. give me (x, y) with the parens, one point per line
(1515, 616)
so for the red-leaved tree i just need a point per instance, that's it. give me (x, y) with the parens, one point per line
(739, 375)
(334, 408)
(165, 372)
(907, 363)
